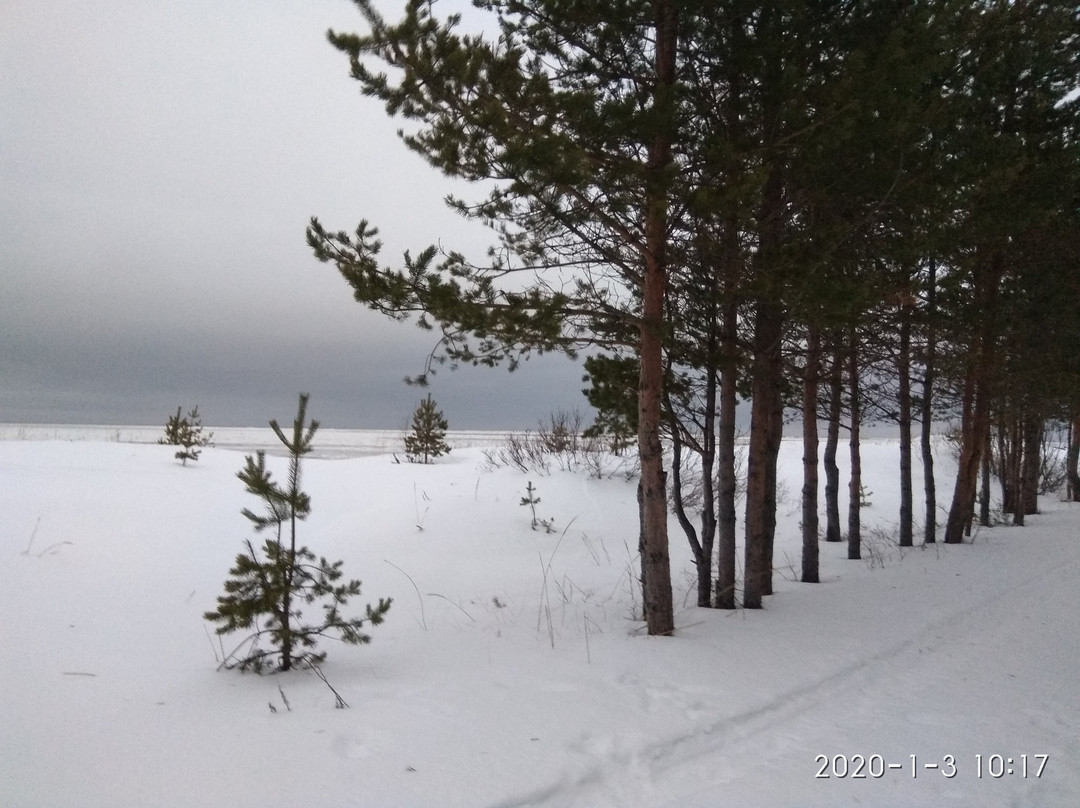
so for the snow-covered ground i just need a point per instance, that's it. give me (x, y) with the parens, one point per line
(510, 670)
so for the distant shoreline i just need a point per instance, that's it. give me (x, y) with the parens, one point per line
(329, 442)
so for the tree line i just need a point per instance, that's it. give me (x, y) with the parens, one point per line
(852, 209)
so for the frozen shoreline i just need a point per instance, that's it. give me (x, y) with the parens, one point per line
(330, 443)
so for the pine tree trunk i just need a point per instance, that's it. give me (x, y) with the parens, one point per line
(832, 445)
(655, 561)
(904, 402)
(708, 489)
(984, 491)
(767, 371)
(854, 537)
(777, 435)
(641, 549)
(975, 400)
(1032, 464)
(726, 480)
(974, 425)
(767, 377)
(811, 372)
(967, 464)
(929, 485)
(679, 506)
(1008, 458)
(1017, 489)
(286, 598)
(701, 546)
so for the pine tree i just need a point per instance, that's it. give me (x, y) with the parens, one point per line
(1018, 65)
(641, 153)
(570, 119)
(267, 591)
(428, 438)
(186, 432)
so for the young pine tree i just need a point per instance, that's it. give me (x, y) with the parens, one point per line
(428, 438)
(187, 433)
(268, 589)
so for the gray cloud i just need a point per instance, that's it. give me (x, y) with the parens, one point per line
(159, 162)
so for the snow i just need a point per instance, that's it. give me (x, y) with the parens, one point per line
(510, 670)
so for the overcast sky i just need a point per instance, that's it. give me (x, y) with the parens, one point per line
(159, 160)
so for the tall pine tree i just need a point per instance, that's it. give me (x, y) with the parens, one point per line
(570, 112)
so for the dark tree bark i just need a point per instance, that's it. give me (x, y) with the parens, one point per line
(984, 489)
(767, 369)
(811, 373)
(974, 424)
(725, 449)
(767, 377)
(701, 546)
(854, 537)
(727, 482)
(975, 399)
(708, 478)
(903, 367)
(656, 566)
(929, 486)
(832, 444)
(1008, 460)
(1031, 465)
(641, 549)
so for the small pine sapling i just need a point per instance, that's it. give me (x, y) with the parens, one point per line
(428, 438)
(187, 433)
(532, 500)
(267, 590)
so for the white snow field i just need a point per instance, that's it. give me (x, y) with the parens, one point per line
(510, 670)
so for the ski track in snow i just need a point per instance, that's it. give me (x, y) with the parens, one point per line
(621, 776)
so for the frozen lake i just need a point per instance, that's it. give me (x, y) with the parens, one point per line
(329, 443)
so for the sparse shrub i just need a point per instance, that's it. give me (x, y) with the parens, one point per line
(267, 590)
(559, 439)
(561, 432)
(428, 438)
(1052, 470)
(526, 451)
(953, 437)
(882, 547)
(187, 433)
(592, 458)
(520, 450)
(693, 491)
